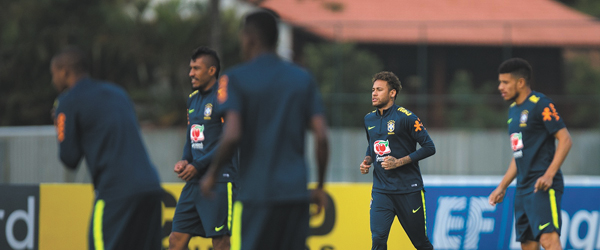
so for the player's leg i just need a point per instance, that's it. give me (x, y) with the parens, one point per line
(286, 227)
(143, 228)
(128, 222)
(412, 215)
(221, 242)
(550, 241)
(216, 215)
(382, 215)
(179, 241)
(186, 221)
(259, 226)
(544, 213)
(522, 225)
(96, 231)
(530, 245)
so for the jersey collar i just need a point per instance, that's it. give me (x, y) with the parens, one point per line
(386, 112)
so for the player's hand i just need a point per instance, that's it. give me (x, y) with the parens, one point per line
(496, 196)
(207, 183)
(543, 183)
(179, 166)
(188, 172)
(318, 197)
(365, 165)
(389, 162)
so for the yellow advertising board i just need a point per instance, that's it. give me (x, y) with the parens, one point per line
(65, 211)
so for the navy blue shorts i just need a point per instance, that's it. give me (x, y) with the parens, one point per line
(270, 226)
(198, 215)
(410, 210)
(536, 214)
(130, 222)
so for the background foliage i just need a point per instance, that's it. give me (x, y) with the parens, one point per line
(145, 48)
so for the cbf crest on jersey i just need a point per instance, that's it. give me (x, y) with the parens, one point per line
(391, 126)
(523, 119)
(207, 111)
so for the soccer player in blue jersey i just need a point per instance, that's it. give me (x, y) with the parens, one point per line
(270, 105)
(393, 133)
(533, 125)
(96, 120)
(196, 215)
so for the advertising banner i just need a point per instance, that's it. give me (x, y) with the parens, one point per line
(56, 216)
(463, 218)
(19, 206)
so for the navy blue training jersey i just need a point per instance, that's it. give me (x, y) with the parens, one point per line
(205, 125)
(396, 133)
(531, 127)
(97, 120)
(276, 101)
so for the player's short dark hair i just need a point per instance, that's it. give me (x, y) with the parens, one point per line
(517, 67)
(390, 78)
(264, 23)
(72, 58)
(210, 54)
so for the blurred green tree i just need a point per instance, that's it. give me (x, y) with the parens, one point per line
(343, 72)
(141, 47)
(472, 107)
(583, 84)
(590, 7)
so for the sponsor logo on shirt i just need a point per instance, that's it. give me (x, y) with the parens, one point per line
(207, 111)
(516, 141)
(197, 136)
(391, 125)
(523, 119)
(197, 133)
(381, 148)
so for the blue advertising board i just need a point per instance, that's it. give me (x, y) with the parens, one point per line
(463, 219)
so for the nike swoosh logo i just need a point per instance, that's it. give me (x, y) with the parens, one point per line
(509, 121)
(191, 111)
(415, 210)
(541, 227)
(217, 229)
(371, 128)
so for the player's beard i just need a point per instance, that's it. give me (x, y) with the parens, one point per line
(200, 86)
(383, 102)
(514, 98)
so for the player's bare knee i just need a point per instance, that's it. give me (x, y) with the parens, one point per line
(550, 241)
(221, 243)
(176, 241)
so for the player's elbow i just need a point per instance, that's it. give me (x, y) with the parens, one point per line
(429, 149)
(70, 162)
(568, 141)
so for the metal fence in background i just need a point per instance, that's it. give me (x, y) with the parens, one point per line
(29, 154)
